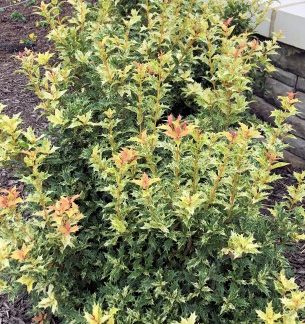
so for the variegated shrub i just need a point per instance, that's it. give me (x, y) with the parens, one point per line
(132, 213)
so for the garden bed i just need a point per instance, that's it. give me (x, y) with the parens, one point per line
(16, 97)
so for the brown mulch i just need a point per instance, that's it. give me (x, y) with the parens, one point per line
(14, 312)
(18, 99)
(13, 90)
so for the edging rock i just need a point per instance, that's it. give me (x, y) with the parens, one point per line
(295, 161)
(296, 146)
(262, 109)
(300, 86)
(290, 59)
(286, 77)
(274, 89)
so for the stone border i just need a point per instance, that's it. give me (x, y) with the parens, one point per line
(289, 77)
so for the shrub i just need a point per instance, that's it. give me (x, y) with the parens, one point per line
(245, 15)
(132, 215)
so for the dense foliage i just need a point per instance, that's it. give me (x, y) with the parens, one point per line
(131, 208)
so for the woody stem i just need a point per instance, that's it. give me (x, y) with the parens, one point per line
(177, 166)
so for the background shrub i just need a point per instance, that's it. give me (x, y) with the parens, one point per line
(135, 210)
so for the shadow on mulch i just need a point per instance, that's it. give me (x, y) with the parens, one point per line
(296, 256)
(14, 312)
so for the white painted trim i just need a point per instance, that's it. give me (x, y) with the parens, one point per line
(288, 17)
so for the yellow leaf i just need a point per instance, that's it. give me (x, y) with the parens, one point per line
(57, 118)
(30, 135)
(43, 58)
(98, 316)
(82, 57)
(4, 254)
(269, 316)
(295, 302)
(290, 318)
(32, 37)
(299, 237)
(118, 225)
(49, 301)
(3, 286)
(239, 244)
(190, 320)
(189, 202)
(28, 281)
(284, 285)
